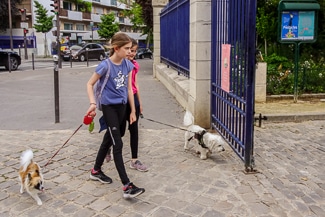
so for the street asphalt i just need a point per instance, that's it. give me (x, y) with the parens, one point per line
(289, 158)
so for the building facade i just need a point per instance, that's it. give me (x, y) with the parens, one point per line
(78, 23)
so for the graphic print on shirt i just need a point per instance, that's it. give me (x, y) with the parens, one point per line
(120, 80)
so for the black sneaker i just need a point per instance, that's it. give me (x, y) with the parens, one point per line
(132, 191)
(100, 176)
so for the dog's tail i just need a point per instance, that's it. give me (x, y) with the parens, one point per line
(26, 158)
(188, 118)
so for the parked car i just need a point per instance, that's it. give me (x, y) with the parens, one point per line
(107, 49)
(79, 52)
(65, 51)
(14, 59)
(143, 53)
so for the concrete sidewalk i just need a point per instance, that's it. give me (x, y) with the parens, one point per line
(289, 159)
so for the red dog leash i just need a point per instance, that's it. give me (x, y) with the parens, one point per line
(87, 120)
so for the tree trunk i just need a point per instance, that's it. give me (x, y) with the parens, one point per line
(265, 47)
(46, 50)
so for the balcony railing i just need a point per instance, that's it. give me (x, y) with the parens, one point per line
(86, 15)
(63, 12)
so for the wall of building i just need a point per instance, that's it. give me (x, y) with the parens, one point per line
(194, 93)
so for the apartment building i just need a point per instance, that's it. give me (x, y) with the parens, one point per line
(79, 21)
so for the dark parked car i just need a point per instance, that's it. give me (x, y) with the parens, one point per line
(14, 59)
(79, 52)
(143, 53)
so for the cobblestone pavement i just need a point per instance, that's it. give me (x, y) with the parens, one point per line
(289, 159)
(290, 179)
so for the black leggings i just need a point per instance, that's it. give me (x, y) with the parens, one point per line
(114, 116)
(133, 128)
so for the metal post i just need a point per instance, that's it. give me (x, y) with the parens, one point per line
(19, 50)
(92, 31)
(58, 36)
(295, 85)
(10, 24)
(33, 61)
(9, 62)
(70, 59)
(56, 88)
(25, 45)
(87, 57)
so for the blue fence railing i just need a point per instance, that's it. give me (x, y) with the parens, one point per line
(233, 67)
(175, 35)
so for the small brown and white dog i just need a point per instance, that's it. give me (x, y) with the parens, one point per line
(205, 142)
(30, 176)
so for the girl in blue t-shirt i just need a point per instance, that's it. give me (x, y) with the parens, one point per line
(116, 93)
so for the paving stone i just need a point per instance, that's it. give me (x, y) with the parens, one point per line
(289, 158)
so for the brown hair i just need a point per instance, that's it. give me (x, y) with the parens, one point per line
(134, 42)
(119, 40)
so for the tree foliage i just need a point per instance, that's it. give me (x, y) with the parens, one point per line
(43, 22)
(135, 16)
(4, 12)
(108, 27)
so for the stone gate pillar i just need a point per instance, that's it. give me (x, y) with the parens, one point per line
(157, 6)
(200, 62)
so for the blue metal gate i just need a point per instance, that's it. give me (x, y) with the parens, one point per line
(233, 74)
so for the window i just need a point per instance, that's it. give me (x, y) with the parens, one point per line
(80, 8)
(80, 27)
(67, 6)
(68, 26)
(114, 2)
(98, 10)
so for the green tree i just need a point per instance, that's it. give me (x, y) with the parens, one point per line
(266, 26)
(135, 16)
(4, 12)
(43, 23)
(147, 16)
(108, 27)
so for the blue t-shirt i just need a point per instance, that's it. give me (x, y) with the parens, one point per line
(116, 89)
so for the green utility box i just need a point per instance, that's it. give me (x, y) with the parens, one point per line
(298, 21)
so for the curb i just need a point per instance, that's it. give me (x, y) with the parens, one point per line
(278, 118)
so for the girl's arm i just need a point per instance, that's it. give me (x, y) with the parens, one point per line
(138, 93)
(90, 91)
(131, 99)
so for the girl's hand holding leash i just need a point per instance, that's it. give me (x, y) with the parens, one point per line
(90, 114)
(92, 110)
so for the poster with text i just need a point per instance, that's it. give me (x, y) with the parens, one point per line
(298, 25)
(225, 67)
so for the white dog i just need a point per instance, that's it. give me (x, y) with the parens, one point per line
(206, 142)
(30, 176)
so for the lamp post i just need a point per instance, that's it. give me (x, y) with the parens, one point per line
(92, 31)
(10, 24)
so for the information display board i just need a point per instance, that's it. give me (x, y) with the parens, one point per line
(298, 25)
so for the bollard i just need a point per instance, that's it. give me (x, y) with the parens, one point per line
(56, 88)
(19, 50)
(9, 62)
(33, 61)
(87, 56)
(70, 59)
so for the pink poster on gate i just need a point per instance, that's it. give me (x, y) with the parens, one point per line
(225, 67)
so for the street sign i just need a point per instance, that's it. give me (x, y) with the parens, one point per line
(24, 25)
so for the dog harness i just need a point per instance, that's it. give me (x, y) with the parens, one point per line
(199, 137)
